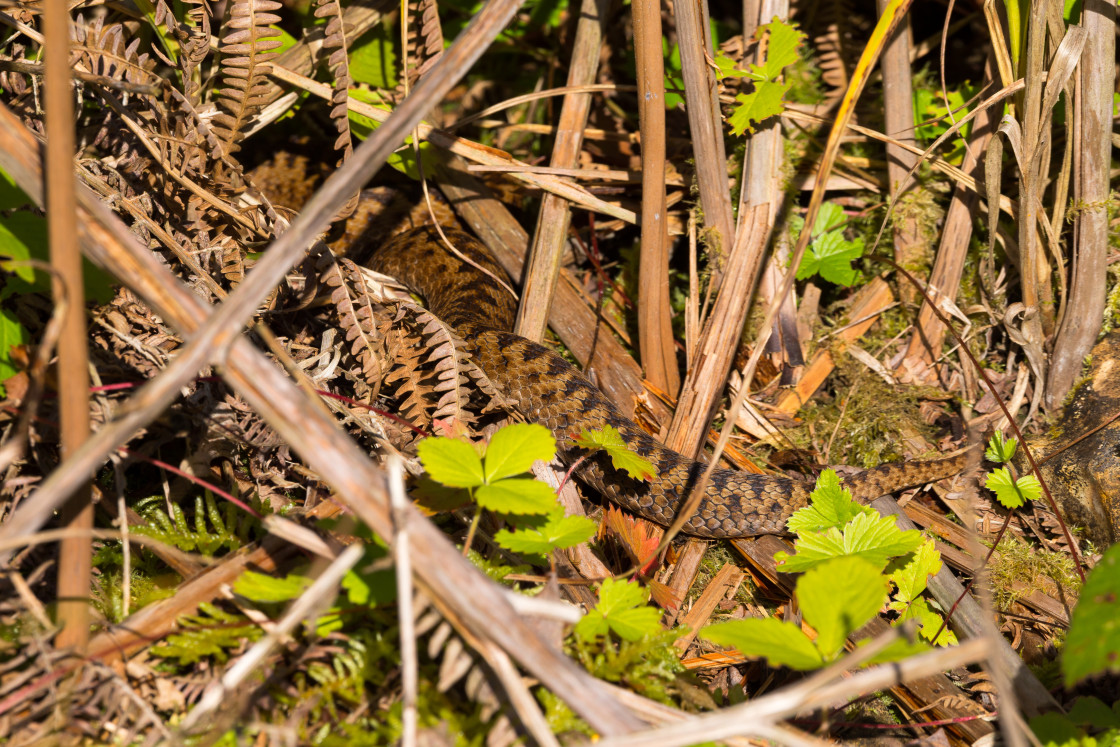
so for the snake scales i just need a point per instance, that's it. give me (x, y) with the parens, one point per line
(548, 390)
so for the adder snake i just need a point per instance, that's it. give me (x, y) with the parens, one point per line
(547, 390)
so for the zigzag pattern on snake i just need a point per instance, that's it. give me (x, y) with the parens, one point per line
(546, 389)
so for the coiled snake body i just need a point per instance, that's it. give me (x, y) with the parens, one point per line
(548, 390)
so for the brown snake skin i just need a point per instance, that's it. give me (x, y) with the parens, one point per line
(547, 390)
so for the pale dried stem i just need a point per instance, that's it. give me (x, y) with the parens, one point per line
(470, 150)
(1029, 177)
(762, 165)
(655, 329)
(898, 117)
(554, 218)
(761, 717)
(75, 555)
(406, 611)
(705, 123)
(945, 278)
(1092, 128)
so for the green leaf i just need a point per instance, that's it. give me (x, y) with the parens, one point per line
(830, 505)
(830, 219)
(211, 632)
(517, 496)
(1092, 712)
(1093, 641)
(23, 236)
(876, 539)
(260, 587)
(762, 103)
(12, 334)
(832, 256)
(360, 125)
(929, 623)
(622, 609)
(513, 449)
(370, 588)
(373, 58)
(782, 644)
(1054, 729)
(726, 68)
(557, 532)
(781, 49)
(610, 440)
(913, 578)
(1013, 493)
(451, 462)
(1000, 450)
(838, 597)
(11, 196)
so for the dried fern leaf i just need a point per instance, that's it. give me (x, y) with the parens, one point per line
(425, 38)
(337, 42)
(102, 50)
(193, 37)
(247, 47)
(357, 316)
(407, 378)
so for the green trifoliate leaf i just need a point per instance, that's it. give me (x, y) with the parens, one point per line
(517, 496)
(1093, 712)
(622, 609)
(782, 644)
(838, 597)
(557, 532)
(726, 68)
(762, 103)
(929, 621)
(781, 48)
(830, 506)
(913, 577)
(1093, 641)
(1000, 450)
(451, 462)
(876, 539)
(830, 219)
(1010, 492)
(513, 449)
(610, 440)
(831, 256)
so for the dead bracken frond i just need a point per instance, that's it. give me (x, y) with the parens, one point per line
(425, 38)
(358, 319)
(337, 42)
(247, 47)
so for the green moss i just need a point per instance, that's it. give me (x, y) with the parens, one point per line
(649, 667)
(1021, 562)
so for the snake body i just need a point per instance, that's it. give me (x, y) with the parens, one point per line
(546, 389)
